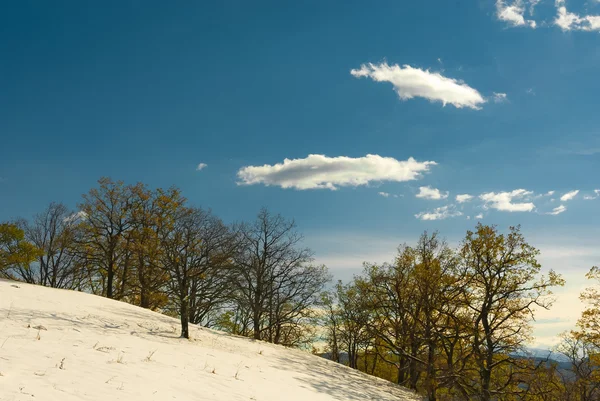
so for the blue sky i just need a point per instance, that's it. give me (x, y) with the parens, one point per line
(500, 95)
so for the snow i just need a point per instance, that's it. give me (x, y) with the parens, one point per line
(66, 345)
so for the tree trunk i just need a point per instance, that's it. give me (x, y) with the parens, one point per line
(110, 275)
(183, 311)
(256, 324)
(144, 298)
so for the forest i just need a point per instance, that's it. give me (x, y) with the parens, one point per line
(449, 323)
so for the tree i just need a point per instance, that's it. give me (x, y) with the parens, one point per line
(276, 282)
(503, 287)
(413, 302)
(102, 240)
(15, 250)
(354, 316)
(589, 322)
(331, 320)
(583, 382)
(195, 245)
(148, 216)
(212, 287)
(53, 232)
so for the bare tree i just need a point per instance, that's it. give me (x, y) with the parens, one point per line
(276, 281)
(52, 231)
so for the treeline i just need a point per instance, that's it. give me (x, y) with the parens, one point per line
(453, 324)
(153, 249)
(450, 323)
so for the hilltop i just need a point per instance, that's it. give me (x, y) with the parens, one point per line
(59, 344)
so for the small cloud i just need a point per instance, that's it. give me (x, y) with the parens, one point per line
(468, 217)
(503, 201)
(530, 91)
(412, 82)
(384, 194)
(514, 13)
(323, 172)
(549, 193)
(81, 215)
(500, 97)
(439, 213)
(557, 210)
(569, 195)
(462, 198)
(431, 193)
(201, 166)
(479, 216)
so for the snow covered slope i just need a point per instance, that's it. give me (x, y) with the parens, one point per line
(65, 345)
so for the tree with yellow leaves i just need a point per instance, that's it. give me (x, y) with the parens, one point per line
(503, 288)
(14, 249)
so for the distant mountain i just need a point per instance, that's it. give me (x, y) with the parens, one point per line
(542, 353)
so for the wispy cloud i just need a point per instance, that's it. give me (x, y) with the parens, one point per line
(569, 195)
(558, 210)
(462, 198)
(568, 21)
(384, 194)
(431, 193)
(323, 172)
(412, 82)
(201, 166)
(479, 216)
(500, 97)
(514, 12)
(595, 196)
(504, 201)
(439, 213)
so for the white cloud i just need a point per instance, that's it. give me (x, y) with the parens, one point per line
(568, 21)
(500, 97)
(431, 193)
(80, 215)
(550, 193)
(320, 171)
(479, 216)
(569, 195)
(201, 166)
(462, 198)
(514, 13)
(503, 201)
(532, 4)
(439, 213)
(557, 210)
(412, 82)
(384, 194)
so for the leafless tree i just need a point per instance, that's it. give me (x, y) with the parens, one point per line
(276, 280)
(53, 232)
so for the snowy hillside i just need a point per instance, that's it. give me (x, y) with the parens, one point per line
(63, 345)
